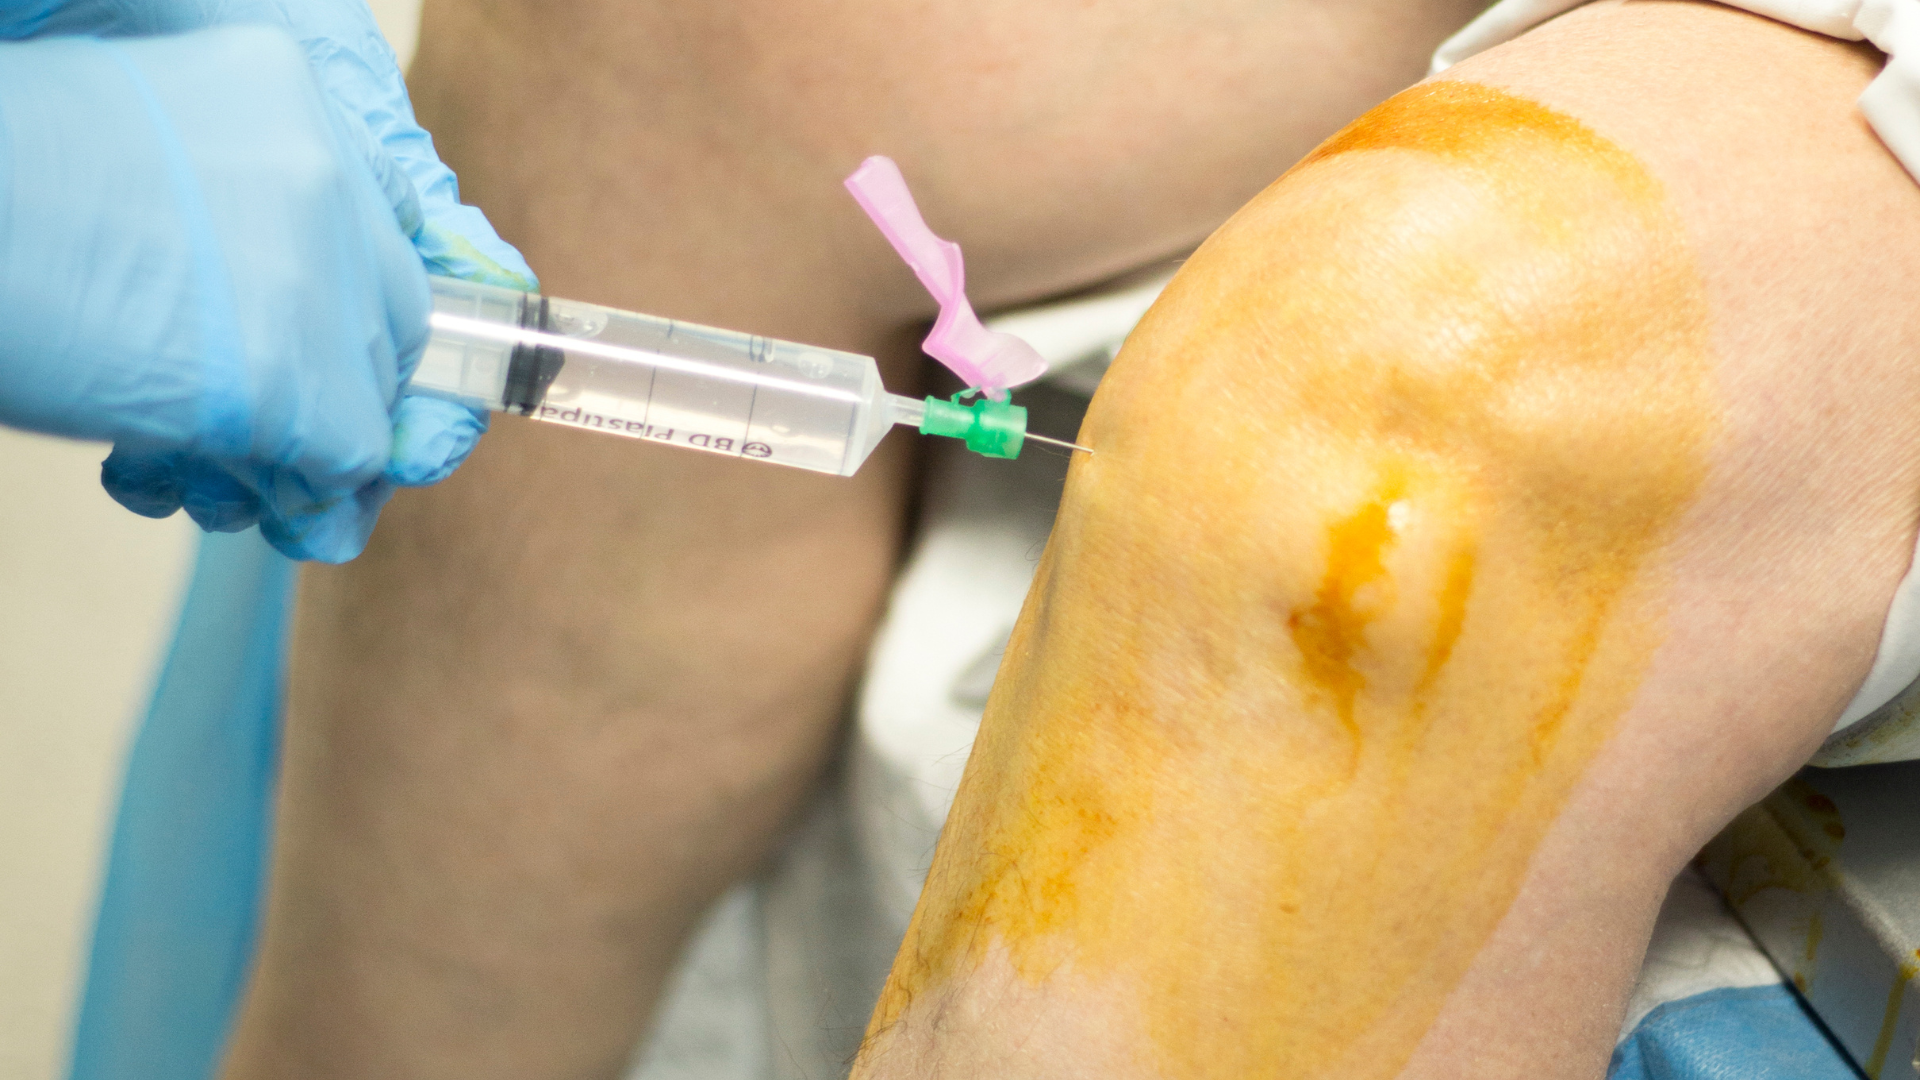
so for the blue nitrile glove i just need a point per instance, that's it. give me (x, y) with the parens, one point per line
(199, 263)
(363, 87)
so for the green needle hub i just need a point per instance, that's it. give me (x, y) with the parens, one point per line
(992, 428)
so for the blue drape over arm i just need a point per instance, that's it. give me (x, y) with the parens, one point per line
(180, 901)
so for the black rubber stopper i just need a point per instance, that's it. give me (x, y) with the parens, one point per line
(531, 368)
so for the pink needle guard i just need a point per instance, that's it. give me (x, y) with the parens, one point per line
(987, 359)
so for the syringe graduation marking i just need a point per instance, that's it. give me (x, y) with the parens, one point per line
(495, 332)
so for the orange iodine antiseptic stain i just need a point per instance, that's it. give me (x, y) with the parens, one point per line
(1365, 572)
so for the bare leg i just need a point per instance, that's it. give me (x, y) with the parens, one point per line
(1482, 518)
(568, 696)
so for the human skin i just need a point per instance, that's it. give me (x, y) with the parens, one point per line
(571, 694)
(1488, 512)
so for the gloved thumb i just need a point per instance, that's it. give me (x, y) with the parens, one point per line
(388, 176)
(362, 77)
(458, 241)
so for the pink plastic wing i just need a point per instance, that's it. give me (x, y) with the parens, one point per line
(986, 359)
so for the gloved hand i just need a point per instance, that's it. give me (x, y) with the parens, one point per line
(374, 132)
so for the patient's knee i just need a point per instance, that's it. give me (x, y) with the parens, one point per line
(1423, 413)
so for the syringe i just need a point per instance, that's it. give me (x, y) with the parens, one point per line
(719, 391)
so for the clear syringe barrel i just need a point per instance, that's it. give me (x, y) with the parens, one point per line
(665, 381)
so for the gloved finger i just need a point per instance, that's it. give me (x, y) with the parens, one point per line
(144, 481)
(333, 534)
(215, 499)
(431, 437)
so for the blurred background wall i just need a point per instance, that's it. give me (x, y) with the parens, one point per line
(88, 594)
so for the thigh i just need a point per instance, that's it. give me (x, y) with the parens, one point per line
(692, 151)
